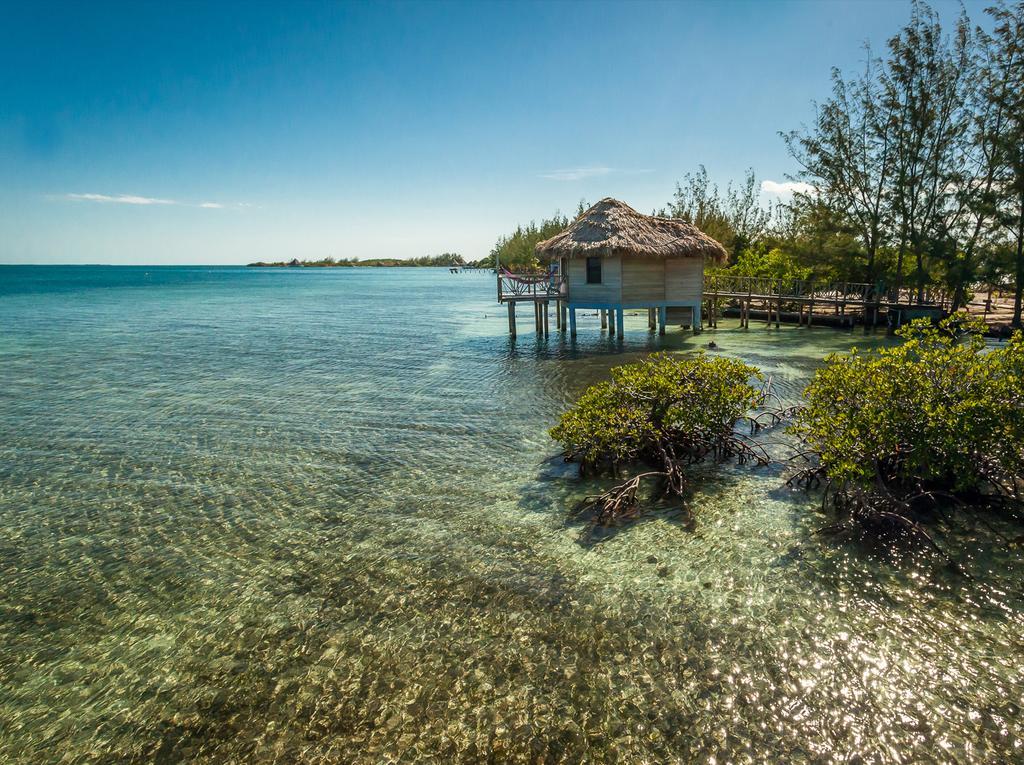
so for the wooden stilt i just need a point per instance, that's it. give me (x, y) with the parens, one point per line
(662, 318)
(512, 317)
(564, 310)
(652, 320)
(545, 309)
(778, 314)
(558, 314)
(604, 319)
(810, 313)
(572, 321)
(620, 321)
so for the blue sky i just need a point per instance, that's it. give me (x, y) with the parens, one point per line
(223, 133)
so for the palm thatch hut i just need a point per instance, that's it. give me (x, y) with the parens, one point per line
(613, 258)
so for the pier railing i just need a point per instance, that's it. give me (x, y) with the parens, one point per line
(536, 287)
(728, 285)
(805, 290)
(542, 287)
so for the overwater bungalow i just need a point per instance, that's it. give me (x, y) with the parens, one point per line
(613, 258)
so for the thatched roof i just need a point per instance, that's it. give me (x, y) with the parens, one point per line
(613, 227)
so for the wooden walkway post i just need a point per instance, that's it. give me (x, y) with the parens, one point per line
(563, 310)
(512, 317)
(572, 322)
(545, 309)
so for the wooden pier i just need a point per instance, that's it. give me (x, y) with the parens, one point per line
(773, 301)
(844, 303)
(539, 290)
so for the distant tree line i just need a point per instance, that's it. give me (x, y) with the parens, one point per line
(911, 174)
(446, 259)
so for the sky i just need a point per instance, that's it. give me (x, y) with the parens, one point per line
(188, 132)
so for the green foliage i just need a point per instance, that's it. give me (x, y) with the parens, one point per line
(736, 218)
(936, 412)
(516, 250)
(760, 260)
(819, 238)
(689, 404)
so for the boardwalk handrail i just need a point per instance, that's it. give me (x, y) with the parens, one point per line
(530, 287)
(729, 285)
(538, 287)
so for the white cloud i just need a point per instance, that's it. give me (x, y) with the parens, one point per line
(124, 199)
(786, 188)
(576, 173)
(132, 199)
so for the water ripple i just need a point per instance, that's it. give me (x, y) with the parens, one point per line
(313, 517)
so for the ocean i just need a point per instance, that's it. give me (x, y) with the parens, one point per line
(314, 515)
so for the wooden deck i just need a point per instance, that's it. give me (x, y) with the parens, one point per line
(852, 302)
(539, 290)
(772, 301)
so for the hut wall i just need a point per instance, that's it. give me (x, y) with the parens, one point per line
(643, 280)
(608, 291)
(684, 280)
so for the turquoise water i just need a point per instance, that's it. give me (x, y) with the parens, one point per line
(314, 516)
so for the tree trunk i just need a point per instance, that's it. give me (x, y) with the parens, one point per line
(1019, 291)
(872, 253)
(920, 277)
(958, 296)
(899, 266)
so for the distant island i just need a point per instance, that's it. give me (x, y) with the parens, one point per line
(445, 260)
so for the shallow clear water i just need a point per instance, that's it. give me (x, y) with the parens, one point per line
(314, 516)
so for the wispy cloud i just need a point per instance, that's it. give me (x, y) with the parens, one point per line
(592, 171)
(134, 199)
(124, 199)
(576, 173)
(786, 188)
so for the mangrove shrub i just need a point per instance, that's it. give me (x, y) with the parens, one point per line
(934, 423)
(665, 413)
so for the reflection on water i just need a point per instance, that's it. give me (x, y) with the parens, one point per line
(313, 516)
